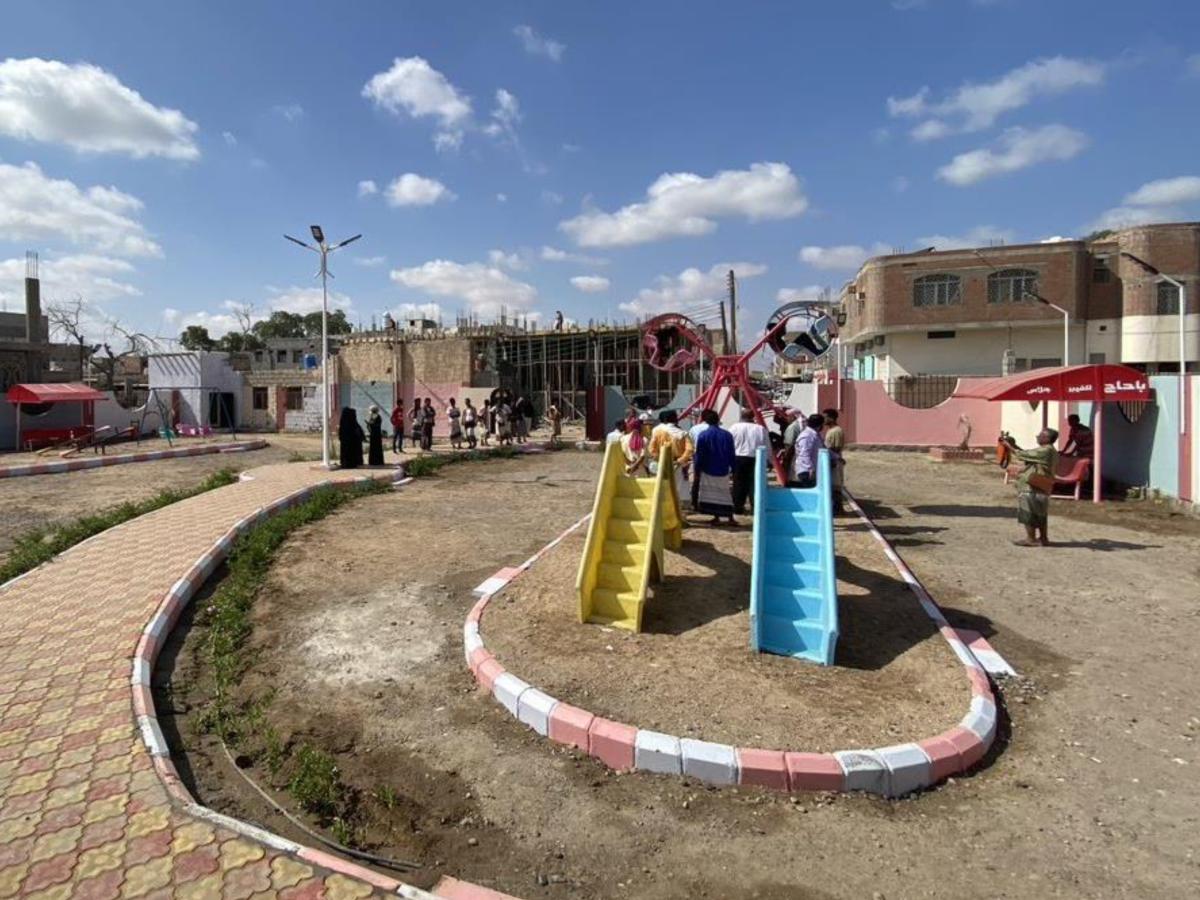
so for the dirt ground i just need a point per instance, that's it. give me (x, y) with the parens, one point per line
(37, 501)
(1090, 791)
(690, 672)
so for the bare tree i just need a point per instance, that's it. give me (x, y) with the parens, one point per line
(69, 319)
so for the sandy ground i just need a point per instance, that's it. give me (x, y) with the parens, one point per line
(690, 672)
(1090, 791)
(36, 501)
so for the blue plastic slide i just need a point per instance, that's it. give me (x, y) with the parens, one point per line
(793, 587)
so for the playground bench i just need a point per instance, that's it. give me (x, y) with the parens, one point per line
(1071, 472)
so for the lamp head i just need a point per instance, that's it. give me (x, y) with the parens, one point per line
(317, 233)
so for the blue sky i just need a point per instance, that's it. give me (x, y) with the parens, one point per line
(154, 153)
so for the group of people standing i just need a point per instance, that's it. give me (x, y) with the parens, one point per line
(715, 465)
(470, 427)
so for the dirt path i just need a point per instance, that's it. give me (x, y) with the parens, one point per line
(358, 634)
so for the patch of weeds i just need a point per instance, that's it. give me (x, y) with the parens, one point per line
(39, 545)
(300, 456)
(427, 465)
(343, 832)
(388, 796)
(315, 783)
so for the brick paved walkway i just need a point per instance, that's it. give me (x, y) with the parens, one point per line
(82, 811)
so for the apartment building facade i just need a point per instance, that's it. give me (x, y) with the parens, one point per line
(974, 312)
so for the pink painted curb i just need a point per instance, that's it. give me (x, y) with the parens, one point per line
(891, 771)
(100, 462)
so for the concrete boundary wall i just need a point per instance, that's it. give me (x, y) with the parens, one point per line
(890, 771)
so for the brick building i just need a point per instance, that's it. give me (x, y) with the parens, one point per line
(966, 312)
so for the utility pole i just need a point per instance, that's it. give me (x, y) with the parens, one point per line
(731, 280)
(724, 330)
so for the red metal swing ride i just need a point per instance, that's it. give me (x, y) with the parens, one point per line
(672, 343)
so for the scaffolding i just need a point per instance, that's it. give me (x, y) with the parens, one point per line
(558, 367)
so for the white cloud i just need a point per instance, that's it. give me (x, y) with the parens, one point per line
(292, 112)
(980, 236)
(304, 300)
(974, 107)
(413, 87)
(514, 261)
(1127, 217)
(94, 278)
(406, 311)
(1192, 65)
(505, 117)
(230, 138)
(89, 110)
(553, 254)
(1017, 148)
(590, 284)
(485, 289)
(34, 207)
(411, 189)
(900, 184)
(367, 187)
(502, 198)
(1055, 239)
(552, 198)
(684, 204)
(688, 290)
(537, 45)
(842, 256)
(370, 262)
(1166, 192)
(571, 148)
(808, 292)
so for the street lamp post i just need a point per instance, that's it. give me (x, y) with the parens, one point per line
(323, 250)
(1179, 286)
(1066, 323)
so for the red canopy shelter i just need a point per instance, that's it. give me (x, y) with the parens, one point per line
(1067, 384)
(38, 394)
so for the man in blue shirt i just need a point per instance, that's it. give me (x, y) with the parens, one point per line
(713, 463)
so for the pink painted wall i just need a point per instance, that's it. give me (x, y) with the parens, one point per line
(440, 393)
(870, 416)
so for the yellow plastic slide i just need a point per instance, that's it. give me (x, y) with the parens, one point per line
(633, 519)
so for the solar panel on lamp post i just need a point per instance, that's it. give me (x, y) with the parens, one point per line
(323, 250)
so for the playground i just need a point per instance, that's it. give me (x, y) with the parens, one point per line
(358, 636)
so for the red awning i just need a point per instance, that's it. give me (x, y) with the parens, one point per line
(1094, 384)
(53, 393)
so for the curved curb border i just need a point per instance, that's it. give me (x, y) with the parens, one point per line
(99, 462)
(151, 641)
(890, 771)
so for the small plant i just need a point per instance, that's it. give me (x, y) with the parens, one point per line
(388, 796)
(315, 782)
(343, 832)
(300, 456)
(35, 547)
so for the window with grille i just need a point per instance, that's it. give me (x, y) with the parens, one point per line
(260, 397)
(1101, 273)
(1168, 299)
(1010, 285)
(937, 290)
(295, 398)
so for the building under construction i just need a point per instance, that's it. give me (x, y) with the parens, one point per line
(554, 366)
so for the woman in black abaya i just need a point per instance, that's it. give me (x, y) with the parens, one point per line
(350, 439)
(374, 437)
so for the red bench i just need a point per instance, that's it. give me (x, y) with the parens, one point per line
(33, 438)
(1072, 471)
